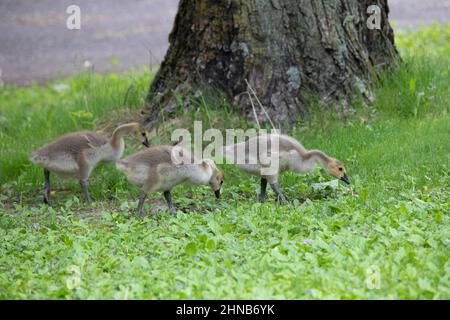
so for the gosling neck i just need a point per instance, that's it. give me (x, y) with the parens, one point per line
(199, 174)
(117, 136)
(315, 157)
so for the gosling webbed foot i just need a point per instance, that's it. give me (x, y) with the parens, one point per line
(85, 186)
(47, 201)
(141, 214)
(168, 197)
(261, 198)
(140, 210)
(281, 199)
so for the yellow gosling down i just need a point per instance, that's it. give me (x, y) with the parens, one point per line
(291, 155)
(76, 154)
(154, 170)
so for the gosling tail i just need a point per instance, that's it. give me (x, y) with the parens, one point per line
(122, 165)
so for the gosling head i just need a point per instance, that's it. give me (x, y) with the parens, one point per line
(140, 134)
(217, 177)
(336, 169)
(216, 182)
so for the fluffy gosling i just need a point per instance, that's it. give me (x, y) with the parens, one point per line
(154, 170)
(75, 155)
(291, 155)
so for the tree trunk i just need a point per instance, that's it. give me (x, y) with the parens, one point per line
(286, 49)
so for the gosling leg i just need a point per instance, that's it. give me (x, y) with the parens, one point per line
(85, 186)
(46, 186)
(84, 173)
(168, 197)
(281, 198)
(262, 194)
(142, 197)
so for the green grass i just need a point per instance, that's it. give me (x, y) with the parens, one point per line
(386, 236)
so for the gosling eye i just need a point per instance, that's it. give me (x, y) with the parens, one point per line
(340, 169)
(143, 134)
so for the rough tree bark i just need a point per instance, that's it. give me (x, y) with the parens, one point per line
(284, 48)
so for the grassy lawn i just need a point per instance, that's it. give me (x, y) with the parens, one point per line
(385, 236)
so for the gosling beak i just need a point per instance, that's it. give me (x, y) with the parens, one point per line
(345, 179)
(146, 143)
(217, 194)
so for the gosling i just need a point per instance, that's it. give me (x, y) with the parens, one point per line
(76, 154)
(291, 155)
(156, 169)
